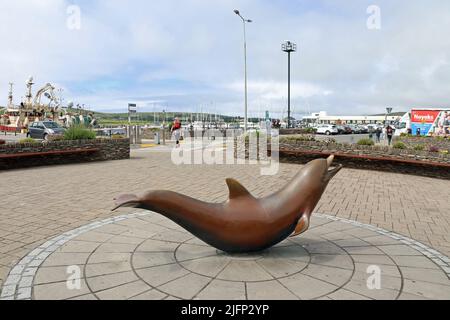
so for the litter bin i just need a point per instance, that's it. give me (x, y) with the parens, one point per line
(157, 138)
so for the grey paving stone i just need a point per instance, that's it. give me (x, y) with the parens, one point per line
(415, 261)
(426, 275)
(186, 287)
(399, 250)
(307, 288)
(101, 283)
(359, 286)
(208, 266)
(99, 269)
(173, 236)
(116, 247)
(427, 290)
(79, 246)
(87, 297)
(190, 252)
(152, 259)
(352, 242)
(244, 271)
(336, 276)
(157, 276)
(343, 294)
(150, 295)
(103, 257)
(157, 246)
(339, 261)
(280, 267)
(364, 250)
(51, 274)
(324, 247)
(58, 291)
(124, 292)
(66, 259)
(270, 290)
(223, 290)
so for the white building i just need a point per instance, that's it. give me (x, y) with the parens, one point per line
(323, 118)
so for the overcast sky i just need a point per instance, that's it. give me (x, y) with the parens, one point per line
(187, 55)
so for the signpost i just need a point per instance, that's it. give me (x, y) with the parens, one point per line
(132, 108)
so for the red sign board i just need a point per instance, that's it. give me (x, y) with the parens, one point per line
(424, 116)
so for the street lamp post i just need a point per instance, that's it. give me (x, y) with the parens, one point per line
(388, 112)
(289, 47)
(244, 21)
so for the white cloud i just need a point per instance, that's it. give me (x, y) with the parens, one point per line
(189, 53)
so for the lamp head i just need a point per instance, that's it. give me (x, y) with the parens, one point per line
(237, 12)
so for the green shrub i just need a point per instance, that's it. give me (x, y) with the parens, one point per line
(399, 145)
(366, 142)
(117, 136)
(78, 132)
(419, 147)
(27, 140)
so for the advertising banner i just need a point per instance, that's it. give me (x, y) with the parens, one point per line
(423, 120)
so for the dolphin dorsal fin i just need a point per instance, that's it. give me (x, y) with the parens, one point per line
(236, 189)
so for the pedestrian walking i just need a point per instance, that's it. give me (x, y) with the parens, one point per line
(176, 131)
(378, 134)
(389, 134)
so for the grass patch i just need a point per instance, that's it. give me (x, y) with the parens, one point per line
(27, 140)
(79, 132)
(399, 145)
(366, 142)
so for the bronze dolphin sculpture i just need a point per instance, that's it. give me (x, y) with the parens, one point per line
(243, 223)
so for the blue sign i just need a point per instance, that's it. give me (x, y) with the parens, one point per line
(424, 128)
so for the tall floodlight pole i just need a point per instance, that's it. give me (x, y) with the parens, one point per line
(245, 21)
(289, 47)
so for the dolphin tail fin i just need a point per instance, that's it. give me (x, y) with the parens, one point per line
(302, 226)
(126, 200)
(236, 189)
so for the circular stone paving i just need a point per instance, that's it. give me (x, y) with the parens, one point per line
(145, 256)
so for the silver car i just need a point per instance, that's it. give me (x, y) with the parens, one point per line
(44, 129)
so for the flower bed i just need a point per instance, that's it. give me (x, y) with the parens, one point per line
(106, 149)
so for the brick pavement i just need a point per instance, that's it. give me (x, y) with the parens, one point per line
(40, 203)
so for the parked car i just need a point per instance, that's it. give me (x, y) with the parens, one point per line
(364, 129)
(341, 129)
(355, 129)
(44, 129)
(327, 129)
(347, 130)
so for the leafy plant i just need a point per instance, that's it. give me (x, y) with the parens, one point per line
(366, 142)
(419, 147)
(79, 132)
(117, 136)
(399, 145)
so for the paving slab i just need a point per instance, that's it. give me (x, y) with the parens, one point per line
(134, 264)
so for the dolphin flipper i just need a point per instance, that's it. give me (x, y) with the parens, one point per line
(302, 226)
